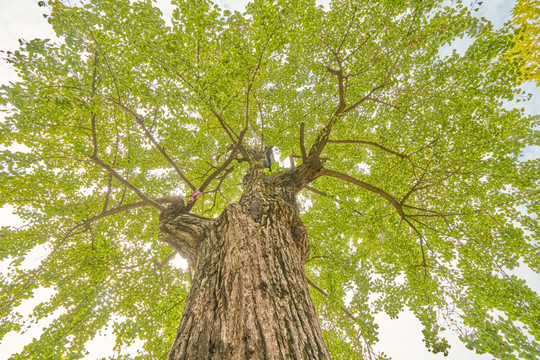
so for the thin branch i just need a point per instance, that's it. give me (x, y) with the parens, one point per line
(137, 116)
(291, 159)
(433, 213)
(100, 162)
(419, 209)
(140, 121)
(222, 178)
(366, 142)
(347, 31)
(422, 241)
(108, 194)
(341, 89)
(358, 48)
(94, 73)
(223, 166)
(228, 129)
(121, 208)
(217, 189)
(159, 266)
(415, 186)
(240, 138)
(122, 180)
(164, 153)
(325, 294)
(104, 58)
(319, 192)
(384, 103)
(322, 193)
(261, 114)
(365, 185)
(322, 138)
(302, 144)
(94, 137)
(365, 98)
(114, 173)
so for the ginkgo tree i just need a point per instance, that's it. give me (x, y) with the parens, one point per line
(396, 183)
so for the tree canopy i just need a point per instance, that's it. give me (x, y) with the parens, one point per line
(526, 45)
(424, 203)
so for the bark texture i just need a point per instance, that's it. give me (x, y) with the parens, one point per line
(249, 297)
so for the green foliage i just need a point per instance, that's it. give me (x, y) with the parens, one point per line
(525, 49)
(445, 148)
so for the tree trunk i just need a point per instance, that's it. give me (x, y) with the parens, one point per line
(249, 298)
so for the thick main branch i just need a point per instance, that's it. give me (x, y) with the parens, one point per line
(183, 231)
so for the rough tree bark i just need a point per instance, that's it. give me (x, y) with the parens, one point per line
(249, 297)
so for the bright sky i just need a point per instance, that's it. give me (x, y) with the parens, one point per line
(400, 339)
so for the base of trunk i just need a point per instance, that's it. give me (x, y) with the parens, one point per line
(249, 297)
